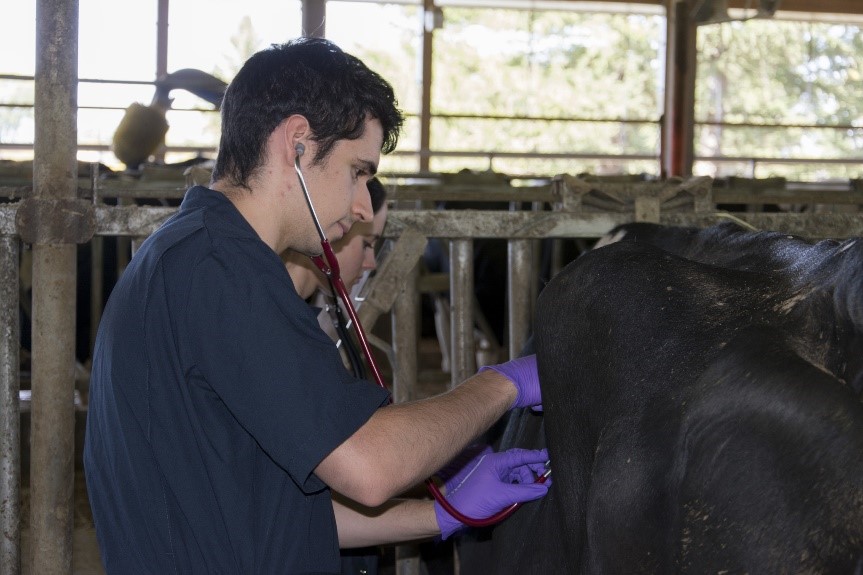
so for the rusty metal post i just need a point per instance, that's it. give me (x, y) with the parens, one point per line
(405, 326)
(405, 322)
(463, 346)
(52, 408)
(461, 294)
(51, 227)
(10, 419)
(519, 293)
(680, 63)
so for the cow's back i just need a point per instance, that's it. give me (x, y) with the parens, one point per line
(662, 463)
(626, 338)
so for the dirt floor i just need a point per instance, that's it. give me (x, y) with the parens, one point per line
(85, 551)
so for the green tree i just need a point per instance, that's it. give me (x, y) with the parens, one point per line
(244, 43)
(12, 118)
(555, 66)
(784, 73)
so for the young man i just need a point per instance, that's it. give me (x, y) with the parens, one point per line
(220, 415)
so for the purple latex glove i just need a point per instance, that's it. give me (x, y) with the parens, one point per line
(496, 481)
(454, 472)
(523, 374)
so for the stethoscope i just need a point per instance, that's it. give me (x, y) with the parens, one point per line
(329, 266)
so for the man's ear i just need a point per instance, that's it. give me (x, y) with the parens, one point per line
(295, 130)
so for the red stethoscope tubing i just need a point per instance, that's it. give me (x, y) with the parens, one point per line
(329, 265)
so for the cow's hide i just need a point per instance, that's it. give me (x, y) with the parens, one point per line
(702, 407)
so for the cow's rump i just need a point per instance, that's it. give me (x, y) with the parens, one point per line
(702, 409)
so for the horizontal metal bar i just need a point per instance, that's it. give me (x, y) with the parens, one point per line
(141, 221)
(535, 225)
(768, 160)
(107, 147)
(81, 80)
(164, 182)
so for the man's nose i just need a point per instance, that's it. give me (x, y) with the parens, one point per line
(363, 205)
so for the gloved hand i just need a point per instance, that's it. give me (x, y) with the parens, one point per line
(454, 472)
(493, 483)
(523, 374)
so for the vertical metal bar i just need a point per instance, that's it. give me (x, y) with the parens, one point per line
(680, 62)
(97, 259)
(314, 18)
(135, 244)
(461, 293)
(97, 283)
(666, 133)
(55, 176)
(161, 54)
(405, 327)
(10, 419)
(534, 257)
(408, 560)
(519, 294)
(123, 243)
(162, 39)
(52, 408)
(680, 88)
(425, 87)
(556, 256)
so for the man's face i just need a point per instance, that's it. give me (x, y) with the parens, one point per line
(337, 185)
(356, 251)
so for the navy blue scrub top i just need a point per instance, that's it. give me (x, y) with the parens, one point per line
(214, 395)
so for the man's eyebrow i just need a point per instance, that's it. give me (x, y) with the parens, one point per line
(368, 166)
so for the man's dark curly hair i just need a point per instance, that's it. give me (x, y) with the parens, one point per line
(312, 77)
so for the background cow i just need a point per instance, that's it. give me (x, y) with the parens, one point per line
(702, 406)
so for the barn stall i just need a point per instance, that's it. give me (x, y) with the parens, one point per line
(567, 207)
(61, 212)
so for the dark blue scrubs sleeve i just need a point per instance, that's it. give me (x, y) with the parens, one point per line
(266, 358)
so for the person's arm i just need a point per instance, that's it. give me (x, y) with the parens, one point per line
(402, 444)
(484, 485)
(396, 521)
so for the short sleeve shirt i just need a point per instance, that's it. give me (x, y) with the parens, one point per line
(214, 396)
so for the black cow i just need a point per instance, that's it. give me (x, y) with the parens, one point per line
(702, 406)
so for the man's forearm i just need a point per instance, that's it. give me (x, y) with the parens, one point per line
(396, 521)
